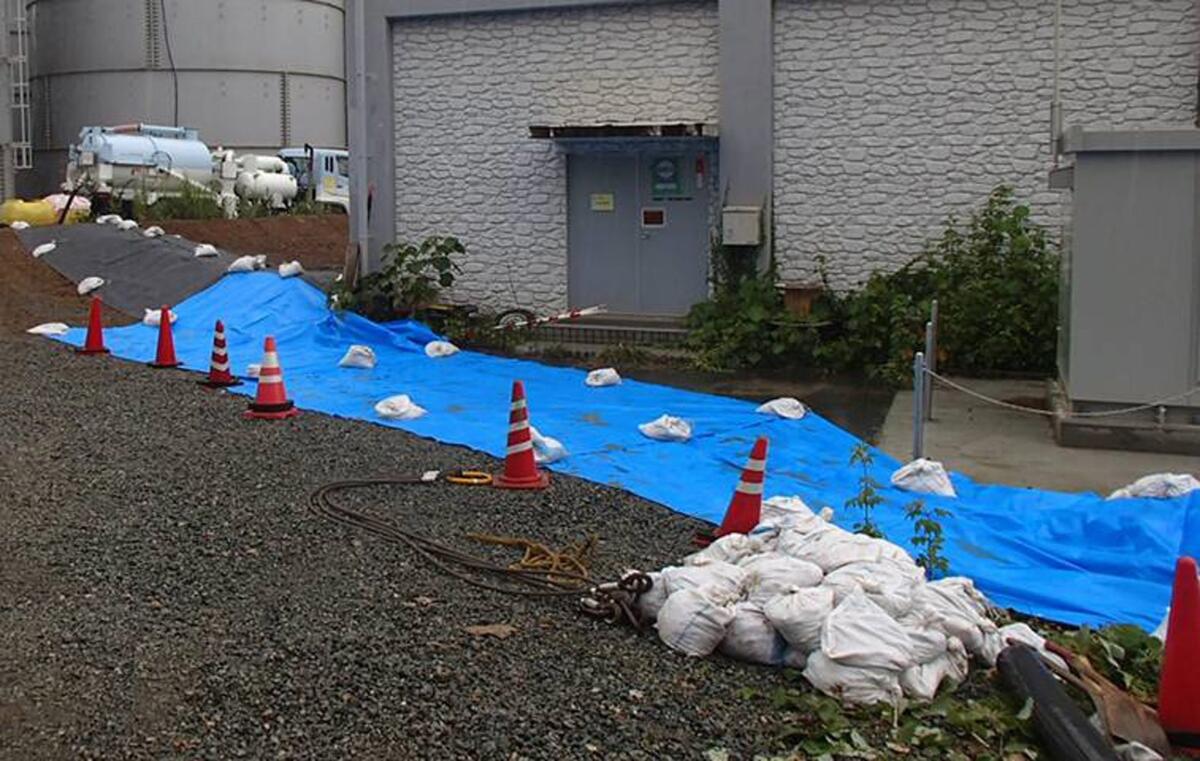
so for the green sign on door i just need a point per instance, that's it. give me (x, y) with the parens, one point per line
(666, 176)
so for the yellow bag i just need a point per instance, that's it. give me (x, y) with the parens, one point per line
(37, 213)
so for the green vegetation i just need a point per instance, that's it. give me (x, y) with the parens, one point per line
(868, 497)
(995, 278)
(412, 277)
(191, 203)
(928, 536)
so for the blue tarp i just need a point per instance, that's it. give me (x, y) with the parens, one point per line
(1074, 558)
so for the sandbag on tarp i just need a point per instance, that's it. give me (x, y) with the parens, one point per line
(1070, 557)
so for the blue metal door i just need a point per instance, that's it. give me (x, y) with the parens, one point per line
(638, 231)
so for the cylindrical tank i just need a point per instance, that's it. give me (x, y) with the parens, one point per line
(252, 75)
(139, 158)
(277, 188)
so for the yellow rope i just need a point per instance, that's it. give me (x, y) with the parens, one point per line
(576, 558)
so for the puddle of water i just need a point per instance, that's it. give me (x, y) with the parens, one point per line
(592, 418)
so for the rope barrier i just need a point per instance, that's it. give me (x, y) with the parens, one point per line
(1051, 413)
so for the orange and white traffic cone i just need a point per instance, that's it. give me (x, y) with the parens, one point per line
(520, 469)
(270, 399)
(218, 368)
(94, 343)
(745, 509)
(165, 355)
(1179, 684)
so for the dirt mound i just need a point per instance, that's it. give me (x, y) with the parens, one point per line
(318, 241)
(32, 292)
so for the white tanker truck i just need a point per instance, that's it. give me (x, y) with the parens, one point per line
(121, 163)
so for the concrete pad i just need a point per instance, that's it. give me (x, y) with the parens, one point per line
(1000, 446)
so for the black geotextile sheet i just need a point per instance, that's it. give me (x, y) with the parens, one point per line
(140, 273)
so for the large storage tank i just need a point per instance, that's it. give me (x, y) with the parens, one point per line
(252, 75)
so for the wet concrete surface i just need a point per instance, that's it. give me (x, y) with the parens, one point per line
(853, 403)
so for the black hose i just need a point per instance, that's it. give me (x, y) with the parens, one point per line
(535, 582)
(1064, 729)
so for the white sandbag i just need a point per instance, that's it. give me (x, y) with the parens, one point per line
(791, 513)
(45, 248)
(240, 264)
(784, 407)
(1158, 485)
(435, 349)
(108, 219)
(862, 686)
(20, 224)
(1025, 635)
(888, 585)
(922, 681)
(667, 428)
(127, 224)
(923, 476)
(860, 633)
(545, 448)
(253, 370)
(831, 548)
(649, 603)
(692, 623)
(773, 573)
(358, 356)
(751, 638)
(291, 269)
(730, 548)
(724, 582)
(49, 329)
(89, 284)
(799, 616)
(954, 606)
(605, 376)
(207, 249)
(153, 231)
(399, 407)
(153, 317)
(928, 643)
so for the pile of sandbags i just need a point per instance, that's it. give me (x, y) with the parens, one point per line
(855, 612)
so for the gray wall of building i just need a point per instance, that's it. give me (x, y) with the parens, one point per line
(892, 116)
(468, 87)
(252, 74)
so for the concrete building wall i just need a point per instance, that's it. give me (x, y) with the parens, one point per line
(893, 115)
(468, 87)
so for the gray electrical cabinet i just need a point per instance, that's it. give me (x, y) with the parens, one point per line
(1130, 306)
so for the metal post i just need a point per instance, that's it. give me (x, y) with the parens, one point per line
(918, 404)
(931, 342)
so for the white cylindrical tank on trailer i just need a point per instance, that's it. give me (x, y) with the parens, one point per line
(277, 188)
(133, 159)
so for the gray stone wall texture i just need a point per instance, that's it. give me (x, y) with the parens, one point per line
(467, 89)
(891, 115)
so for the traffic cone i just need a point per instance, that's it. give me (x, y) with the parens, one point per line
(218, 369)
(520, 469)
(165, 356)
(1179, 684)
(94, 343)
(270, 399)
(745, 509)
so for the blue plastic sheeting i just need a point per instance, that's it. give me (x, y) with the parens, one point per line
(1074, 558)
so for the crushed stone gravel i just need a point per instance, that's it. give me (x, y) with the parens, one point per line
(164, 592)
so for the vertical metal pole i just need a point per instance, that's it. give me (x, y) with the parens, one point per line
(931, 344)
(357, 123)
(918, 412)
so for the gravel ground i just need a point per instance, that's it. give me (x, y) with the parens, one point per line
(164, 592)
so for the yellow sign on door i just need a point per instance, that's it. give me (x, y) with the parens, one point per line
(603, 202)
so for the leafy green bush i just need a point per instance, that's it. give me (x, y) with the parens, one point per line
(191, 203)
(412, 277)
(745, 323)
(996, 281)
